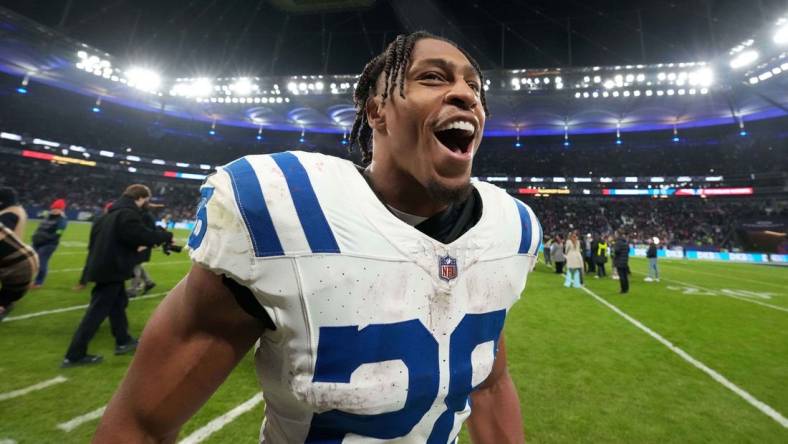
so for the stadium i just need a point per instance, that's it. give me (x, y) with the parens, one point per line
(661, 126)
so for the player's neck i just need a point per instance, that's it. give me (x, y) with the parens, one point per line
(401, 191)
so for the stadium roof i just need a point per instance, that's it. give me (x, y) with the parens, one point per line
(630, 96)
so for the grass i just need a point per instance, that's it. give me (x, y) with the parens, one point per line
(584, 373)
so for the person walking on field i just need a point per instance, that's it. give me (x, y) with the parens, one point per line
(557, 253)
(47, 238)
(601, 258)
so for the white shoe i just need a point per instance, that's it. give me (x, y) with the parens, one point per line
(648, 279)
(657, 279)
(615, 278)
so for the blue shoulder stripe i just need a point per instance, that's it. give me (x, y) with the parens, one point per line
(249, 197)
(525, 224)
(313, 220)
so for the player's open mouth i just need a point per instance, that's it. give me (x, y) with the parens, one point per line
(457, 136)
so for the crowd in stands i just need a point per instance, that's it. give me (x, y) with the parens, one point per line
(89, 189)
(677, 222)
(687, 221)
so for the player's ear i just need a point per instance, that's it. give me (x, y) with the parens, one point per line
(376, 113)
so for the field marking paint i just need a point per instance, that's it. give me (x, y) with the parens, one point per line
(729, 276)
(79, 420)
(726, 294)
(760, 405)
(219, 422)
(40, 386)
(151, 264)
(72, 308)
(7, 441)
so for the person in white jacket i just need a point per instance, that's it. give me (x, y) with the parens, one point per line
(574, 261)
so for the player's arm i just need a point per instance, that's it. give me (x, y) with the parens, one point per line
(193, 340)
(495, 414)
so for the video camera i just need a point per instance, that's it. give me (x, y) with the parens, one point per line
(169, 247)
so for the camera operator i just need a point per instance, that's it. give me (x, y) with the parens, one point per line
(115, 241)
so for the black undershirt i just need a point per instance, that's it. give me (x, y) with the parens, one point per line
(445, 227)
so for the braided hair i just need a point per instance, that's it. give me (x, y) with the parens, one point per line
(393, 63)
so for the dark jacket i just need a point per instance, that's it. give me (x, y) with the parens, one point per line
(114, 240)
(621, 253)
(652, 251)
(150, 222)
(49, 230)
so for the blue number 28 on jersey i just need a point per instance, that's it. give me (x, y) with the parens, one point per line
(341, 350)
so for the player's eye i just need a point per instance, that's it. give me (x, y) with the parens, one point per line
(474, 86)
(433, 76)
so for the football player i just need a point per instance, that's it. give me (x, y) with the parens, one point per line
(374, 297)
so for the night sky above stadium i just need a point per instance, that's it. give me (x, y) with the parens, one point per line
(260, 37)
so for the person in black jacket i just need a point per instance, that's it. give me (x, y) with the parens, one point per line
(651, 255)
(621, 262)
(588, 248)
(115, 241)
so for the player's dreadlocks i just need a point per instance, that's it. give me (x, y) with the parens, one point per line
(394, 62)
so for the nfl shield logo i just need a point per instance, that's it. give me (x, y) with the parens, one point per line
(447, 267)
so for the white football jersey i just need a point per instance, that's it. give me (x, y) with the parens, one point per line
(381, 331)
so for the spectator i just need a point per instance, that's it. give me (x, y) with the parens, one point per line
(600, 257)
(587, 248)
(557, 254)
(114, 242)
(621, 262)
(47, 238)
(548, 244)
(18, 266)
(12, 215)
(574, 261)
(651, 255)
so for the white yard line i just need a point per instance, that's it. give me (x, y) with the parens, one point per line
(760, 405)
(775, 307)
(7, 441)
(219, 422)
(683, 267)
(40, 386)
(72, 308)
(79, 420)
(151, 264)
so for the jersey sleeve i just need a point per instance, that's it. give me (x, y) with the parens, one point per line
(219, 240)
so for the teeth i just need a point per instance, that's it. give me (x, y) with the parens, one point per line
(458, 125)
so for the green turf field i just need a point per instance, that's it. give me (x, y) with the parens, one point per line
(584, 372)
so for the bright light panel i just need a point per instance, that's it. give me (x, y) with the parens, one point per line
(143, 79)
(744, 58)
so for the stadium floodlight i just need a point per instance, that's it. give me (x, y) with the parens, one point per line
(243, 87)
(781, 35)
(144, 79)
(201, 87)
(744, 58)
(702, 77)
(11, 136)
